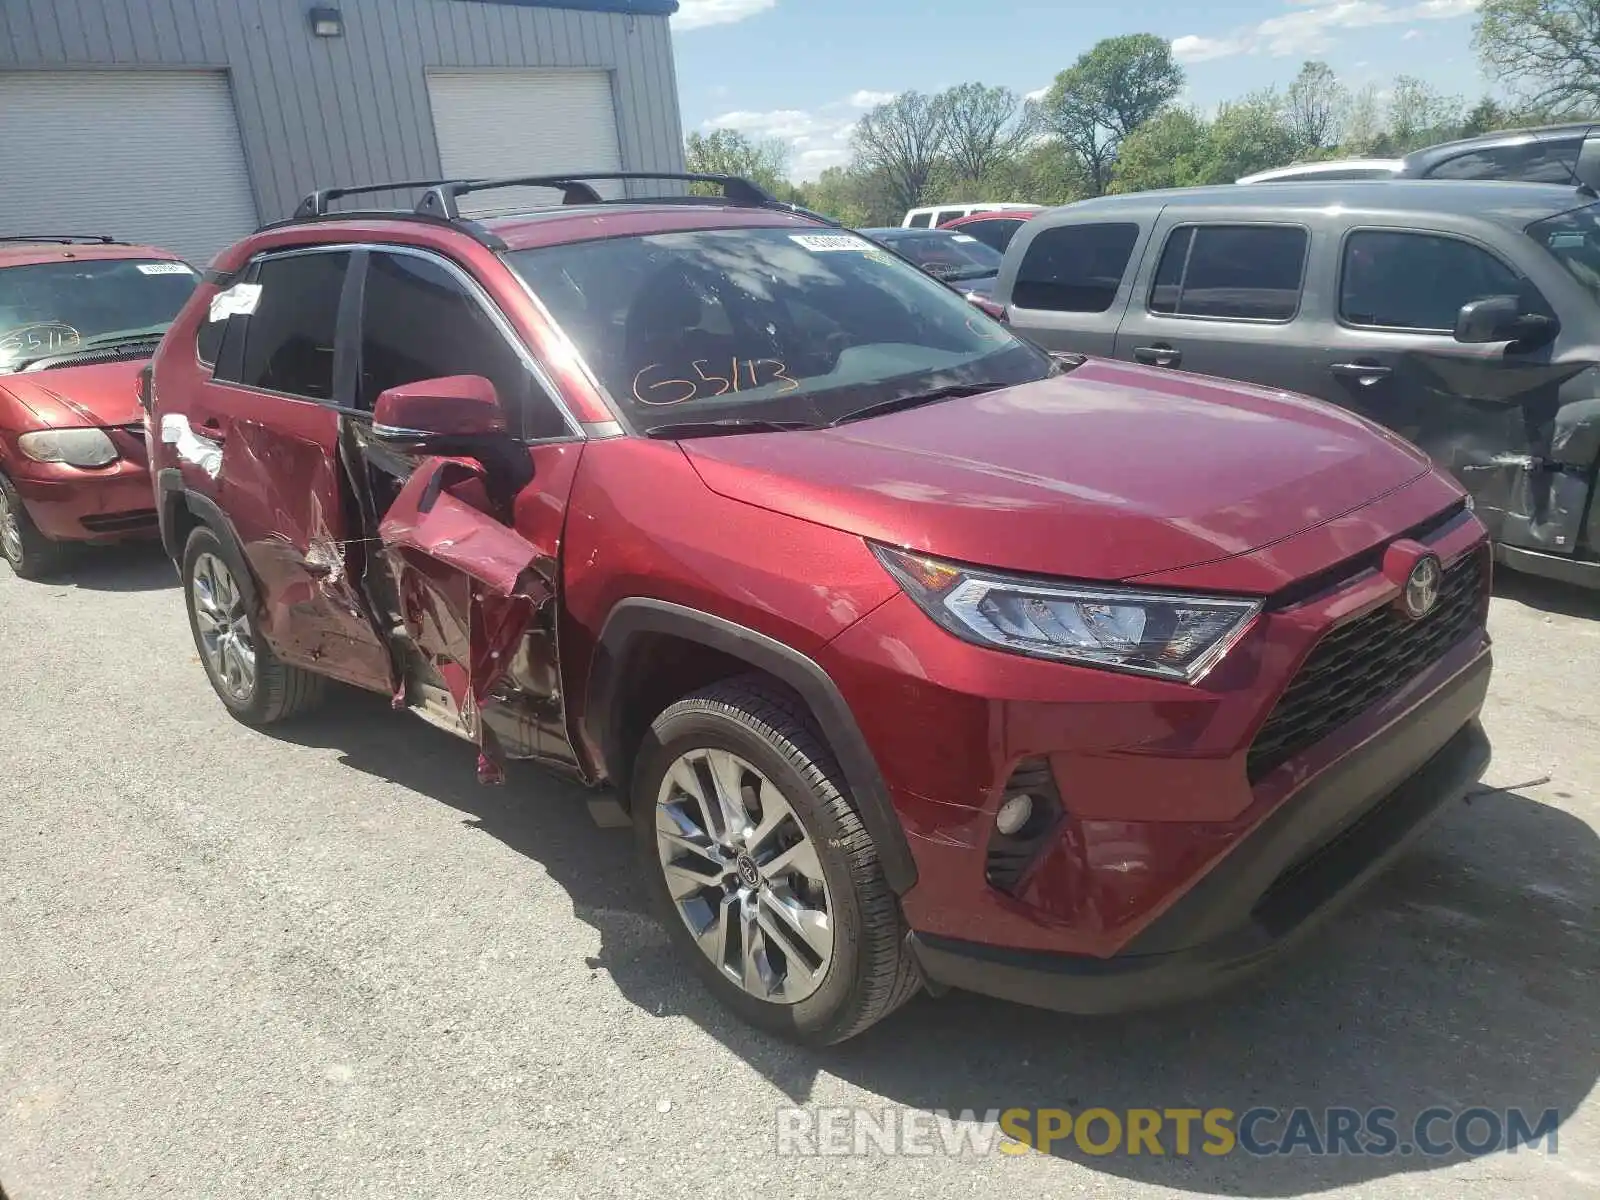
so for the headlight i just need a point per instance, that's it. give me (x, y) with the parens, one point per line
(1167, 634)
(75, 447)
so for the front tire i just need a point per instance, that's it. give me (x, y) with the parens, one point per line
(762, 871)
(30, 553)
(247, 677)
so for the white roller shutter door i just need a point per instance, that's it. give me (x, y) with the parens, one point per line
(499, 123)
(145, 156)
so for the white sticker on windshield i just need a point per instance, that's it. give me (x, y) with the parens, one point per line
(821, 243)
(238, 301)
(165, 268)
(962, 237)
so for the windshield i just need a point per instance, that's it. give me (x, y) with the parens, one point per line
(1573, 240)
(62, 307)
(766, 324)
(948, 256)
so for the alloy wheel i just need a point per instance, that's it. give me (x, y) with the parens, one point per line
(223, 624)
(10, 528)
(744, 875)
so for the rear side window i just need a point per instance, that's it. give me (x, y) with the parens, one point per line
(1553, 161)
(419, 322)
(1235, 272)
(1075, 268)
(289, 338)
(920, 221)
(949, 214)
(996, 232)
(1419, 281)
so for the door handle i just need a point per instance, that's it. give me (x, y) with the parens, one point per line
(1366, 374)
(1158, 355)
(212, 428)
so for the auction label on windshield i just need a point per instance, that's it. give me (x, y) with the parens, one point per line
(165, 268)
(820, 243)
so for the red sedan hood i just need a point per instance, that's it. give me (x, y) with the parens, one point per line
(102, 394)
(1109, 472)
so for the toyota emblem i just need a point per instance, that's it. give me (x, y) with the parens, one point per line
(1422, 587)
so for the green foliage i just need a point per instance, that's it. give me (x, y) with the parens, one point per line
(1549, 50)
(729, 152)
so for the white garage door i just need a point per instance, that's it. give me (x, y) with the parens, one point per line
(147, 157)
(499, 123)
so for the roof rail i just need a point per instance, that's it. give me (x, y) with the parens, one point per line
(316, 204)
(66, 239)
(441, 199)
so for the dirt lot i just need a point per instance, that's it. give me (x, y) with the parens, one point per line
(327, 963)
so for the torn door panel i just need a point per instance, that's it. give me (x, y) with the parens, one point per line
(467, 599)
(1495, 422)
(314, 611)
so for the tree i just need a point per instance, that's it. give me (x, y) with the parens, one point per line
(1250, 135)
(729, 152)
(1548, 49)
(1167, 151)
(1420, 116)
(1315, 107)
(1365, 129)
(986, 128)
(904, 141)
(1111, 90)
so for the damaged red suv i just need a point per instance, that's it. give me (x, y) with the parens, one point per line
(921, 657)
(79, 317)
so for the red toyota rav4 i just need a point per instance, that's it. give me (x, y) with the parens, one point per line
(919, 656)
(79, 316)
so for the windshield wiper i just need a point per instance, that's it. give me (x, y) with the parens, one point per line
(954, 392)
(106, 341)
(693, 429)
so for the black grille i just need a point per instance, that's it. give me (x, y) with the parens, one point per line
(1359, 664)
(1010, 856)
(123, 522)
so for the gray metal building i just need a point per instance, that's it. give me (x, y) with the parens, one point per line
(186, 123)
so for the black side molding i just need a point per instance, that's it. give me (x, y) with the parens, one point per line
(639, 616)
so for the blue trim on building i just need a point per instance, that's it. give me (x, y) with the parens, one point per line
(637, 8)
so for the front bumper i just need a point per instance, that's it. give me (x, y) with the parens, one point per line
(1312, 853)
(74, 504)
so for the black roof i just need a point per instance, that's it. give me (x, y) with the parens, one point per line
(1513, 204)
(1419, 162)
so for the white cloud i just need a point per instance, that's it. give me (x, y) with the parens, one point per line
(696, 14)
(1038, 93)
(1312, 26)
(1410, 35)
(870, 99)
(817, 138)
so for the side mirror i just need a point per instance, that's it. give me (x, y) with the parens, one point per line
(1501, 319)
(445, 415)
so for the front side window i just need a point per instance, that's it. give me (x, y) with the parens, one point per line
(1231, 272)
(1395, 279)
(920, 220)
(950, 255)
(949, 214)
(1075, 268)
(418, 322)
(1573, 240)
(62, 308)
(782, 324)
(289, 336)
(1552, 161)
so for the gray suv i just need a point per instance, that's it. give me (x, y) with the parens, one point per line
(1465, 316)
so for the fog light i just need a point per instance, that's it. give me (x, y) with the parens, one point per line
(1013, 815)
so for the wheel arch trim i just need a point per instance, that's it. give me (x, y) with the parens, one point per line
(636, 617)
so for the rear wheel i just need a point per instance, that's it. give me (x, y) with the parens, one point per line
(30, 553)
(248, 679)
(761, 869)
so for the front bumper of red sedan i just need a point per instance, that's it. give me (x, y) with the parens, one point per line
(99, 504)
(1191, 831)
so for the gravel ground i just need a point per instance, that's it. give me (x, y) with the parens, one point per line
(326, 962)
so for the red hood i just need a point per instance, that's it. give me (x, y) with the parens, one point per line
(1108, 472)
(102, 394)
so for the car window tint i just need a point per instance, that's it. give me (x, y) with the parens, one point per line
(948, 214)
(1238, 272)
(288, 339)
(920, 221)
(1400, 280)
(208, 344)
(1553, 161)
(419, 322)
(1075, 268)
(995, 233)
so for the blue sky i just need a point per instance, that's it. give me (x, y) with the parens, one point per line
(804, 70)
